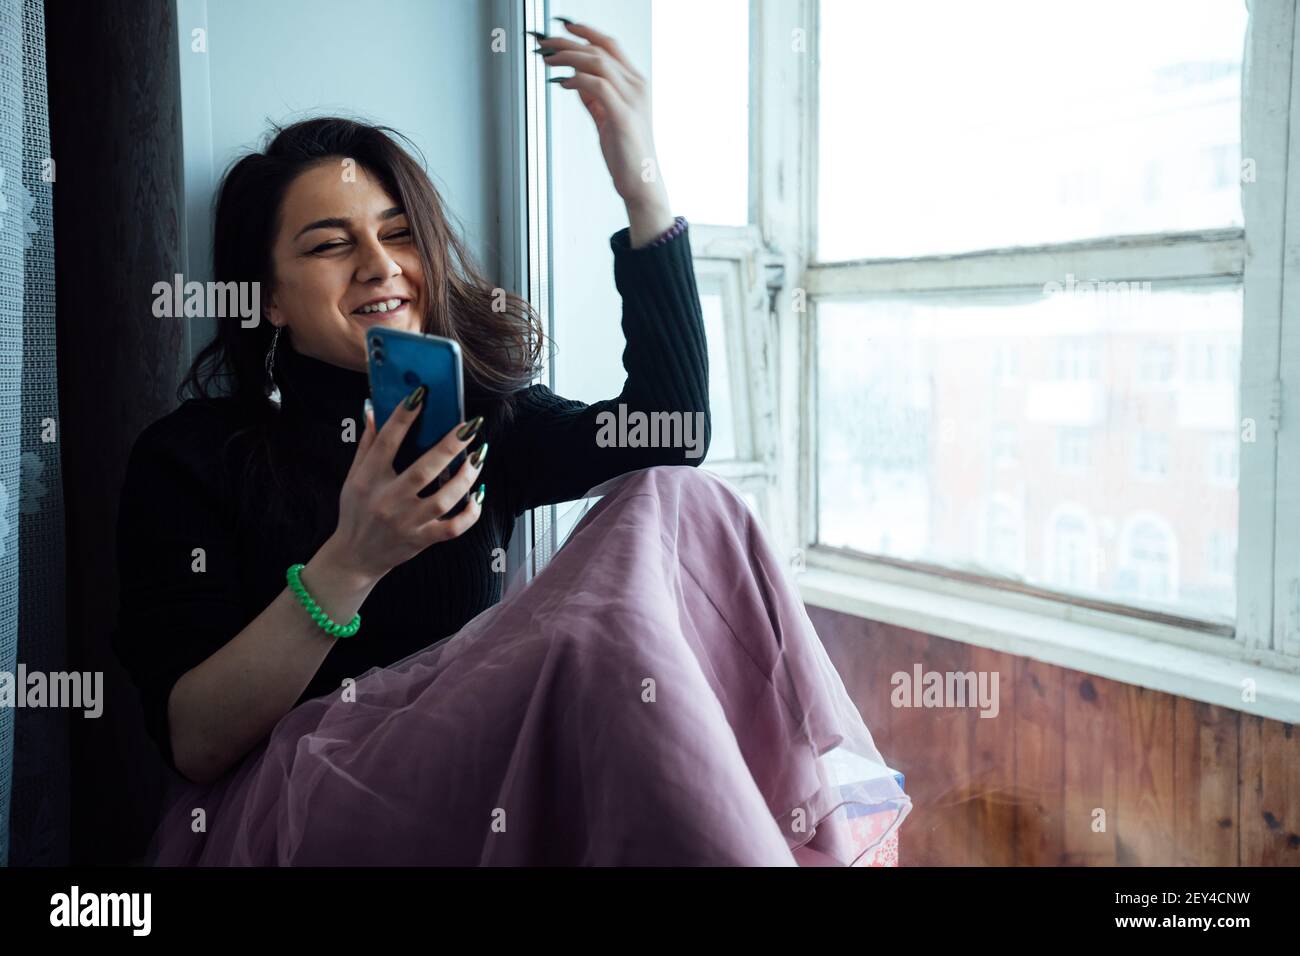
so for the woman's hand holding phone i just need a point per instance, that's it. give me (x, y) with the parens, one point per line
(383, 521)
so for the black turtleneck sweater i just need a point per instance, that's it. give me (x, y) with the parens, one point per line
(178, 605)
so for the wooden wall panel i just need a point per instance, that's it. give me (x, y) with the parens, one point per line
(1144, 771)
(1207, 815)
(1089, 750)
(993, 764)
(1270, 793)
(1181, 783)
(1038, 822)
(948, 776)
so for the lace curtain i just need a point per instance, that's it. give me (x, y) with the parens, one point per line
(31, 517)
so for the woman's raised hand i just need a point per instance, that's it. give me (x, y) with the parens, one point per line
(383, 521)
(617, 96)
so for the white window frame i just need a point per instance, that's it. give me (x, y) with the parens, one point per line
(744, 264)
(525, 244)
(732, 262)
(1162, 652)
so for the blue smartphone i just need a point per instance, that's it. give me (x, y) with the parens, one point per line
(398, 363)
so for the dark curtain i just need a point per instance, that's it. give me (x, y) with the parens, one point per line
(114, 110)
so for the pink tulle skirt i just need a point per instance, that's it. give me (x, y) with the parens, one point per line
(655, 696)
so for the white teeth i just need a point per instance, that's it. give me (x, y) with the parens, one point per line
(380, 306)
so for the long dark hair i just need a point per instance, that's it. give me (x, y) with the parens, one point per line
(500, 335)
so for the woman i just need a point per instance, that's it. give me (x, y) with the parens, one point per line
(656, 695)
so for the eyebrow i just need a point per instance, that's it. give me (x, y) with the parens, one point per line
(342, 222)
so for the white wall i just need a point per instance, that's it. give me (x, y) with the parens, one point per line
(424, 67)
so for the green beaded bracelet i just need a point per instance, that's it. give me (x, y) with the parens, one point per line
(325, 622)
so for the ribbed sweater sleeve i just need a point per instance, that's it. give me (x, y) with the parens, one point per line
(558, 448)
(179, 577)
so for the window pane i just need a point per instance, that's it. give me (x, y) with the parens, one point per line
(700, 94)
(1061, 123)
(1077, 474)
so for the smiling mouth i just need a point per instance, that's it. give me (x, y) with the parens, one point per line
(381, 312)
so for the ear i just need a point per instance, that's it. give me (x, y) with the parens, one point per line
(272, 312)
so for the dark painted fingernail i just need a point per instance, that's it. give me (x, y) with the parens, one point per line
(545, 51)
(540, 36)
(559, 79)
(480, 453)
(415, 398)
(468, 430)
(480, 494)
(564, 20)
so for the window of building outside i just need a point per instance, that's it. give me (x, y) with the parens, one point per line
(1121, 391)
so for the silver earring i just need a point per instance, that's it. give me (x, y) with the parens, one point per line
(270, 356)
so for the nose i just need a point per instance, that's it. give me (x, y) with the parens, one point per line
(375, 262)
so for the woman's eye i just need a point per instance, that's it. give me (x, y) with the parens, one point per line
(400, 234)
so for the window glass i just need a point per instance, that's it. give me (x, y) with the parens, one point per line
(1062, 123)
(927, 453)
